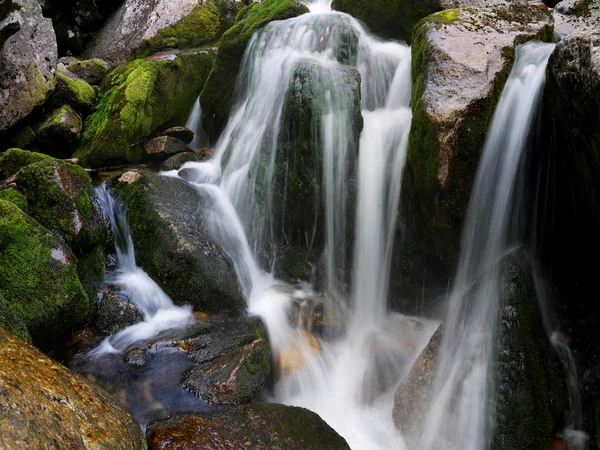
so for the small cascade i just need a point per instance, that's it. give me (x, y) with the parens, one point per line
(160, 313)
(461, 413)
(194, 123)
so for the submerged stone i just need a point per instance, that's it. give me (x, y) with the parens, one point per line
(44, 403)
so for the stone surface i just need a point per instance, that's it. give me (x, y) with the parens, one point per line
(175, 162)
(38, 276)
(217, 95)
(114, 312)
(136, 100)
(293, 358)
(163, 147)
(461, 59)
(92, 71)
(60, 131)
(45, 404)
(395, 19)
(72, 90)
(27, 63)
(149, 26)
(234, 360)
(258, 426)
(183, 133)
(173, 244)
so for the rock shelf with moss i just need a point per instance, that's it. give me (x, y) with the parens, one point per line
(217, 95)
(137, 99)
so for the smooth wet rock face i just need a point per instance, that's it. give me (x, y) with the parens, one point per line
(44, 405)
(173, 244)
(163, 147)
(38, 276)
(395, 19)
(60, 131)
(114, 312)
(461, 59)
(258, 426)
(175, 162)
(27, 63)
(141, 25)
(138, 99)
(234, 361)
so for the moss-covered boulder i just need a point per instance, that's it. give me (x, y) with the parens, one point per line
(27, 62)
(23, 138)
(142, 27)
(60, 132)
(573, 15)
(92, 70)
(234, 361)
(11, 321)
(14, 159)
(72, 90)
(259, 426)
(217, 95)
(15, 197)
(461, 60)
(38, 275)
(173, 244)
(137, 99)
(44, 405)
(60, 198)
(395, 19)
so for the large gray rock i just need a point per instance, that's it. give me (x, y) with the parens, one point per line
(572, 15)
(396, 18)
(461, 60)
(27, 63)
(149, 26)
(173, 244)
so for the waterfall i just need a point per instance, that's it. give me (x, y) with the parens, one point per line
(194, 123)
(461, 413)
(159, 312)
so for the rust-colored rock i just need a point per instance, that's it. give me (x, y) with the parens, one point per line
(293, 358)
(45, 405)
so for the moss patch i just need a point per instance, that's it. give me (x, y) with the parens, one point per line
(138, 98)
(217, 95)
(92, 271)
(73, 91)
(14, 159)
(11, 321)
(38, 275)
(15, 197)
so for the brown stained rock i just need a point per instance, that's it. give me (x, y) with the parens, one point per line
(163, 147)
(258, 426)
(293, 358)
(190, 433)
(129, 177)
(43, 404)
(183, 133)
(411, 398)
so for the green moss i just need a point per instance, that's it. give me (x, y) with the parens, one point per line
(38, 275)
(92, 271)
(14, 159)
(138, 98)
(73, 91)
(581, 9)
(259, 360)
(217, 95)
(92, 70)
(15, 197)
(11, 321)
(23, 139)
(143, 444)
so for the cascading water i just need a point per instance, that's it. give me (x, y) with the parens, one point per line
(461, 413)
(160, 314)
(194, 123)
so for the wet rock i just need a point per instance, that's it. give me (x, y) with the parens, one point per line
(147, 27)
(60, 131)
(137, 99)
(38, 276)
(175, 162)
(234, 361)
(217, 95)
(136, 357)
(163, 147)
(412, 396)
(395, 19)
(173, 244)
(259, 426)
(91, 71)
(183, 133)
(43, 402)
(60, 197)
(114, 312)
(72, 90)
(293, 358)
(461, 59)
(27, 63)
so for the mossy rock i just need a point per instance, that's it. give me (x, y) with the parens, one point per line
(137, 99)
(38, 276)
(11, 321)
(447, 137)
(60, 131)
(14, 159)
(72, 90)
(91, 271)
(60, 198)
(23, 138)
(92, 71)
(217, 95)
(173, 244)
(15, 197)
